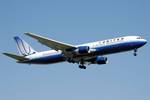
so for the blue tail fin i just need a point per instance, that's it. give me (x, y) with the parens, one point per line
(23, 47)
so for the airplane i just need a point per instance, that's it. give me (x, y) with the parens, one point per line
(84, 54)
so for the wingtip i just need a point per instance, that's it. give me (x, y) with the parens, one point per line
(26, 33)
(29, 34)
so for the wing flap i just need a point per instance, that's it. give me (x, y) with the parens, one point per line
(57, 45)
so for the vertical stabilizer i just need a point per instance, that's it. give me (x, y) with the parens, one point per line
(23, 47)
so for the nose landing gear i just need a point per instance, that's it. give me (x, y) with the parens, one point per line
(135, 52)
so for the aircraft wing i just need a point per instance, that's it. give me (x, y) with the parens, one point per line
(52, 43)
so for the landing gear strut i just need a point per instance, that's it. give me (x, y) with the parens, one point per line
(82, 64)
(135, 52)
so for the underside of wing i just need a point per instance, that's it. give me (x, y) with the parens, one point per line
(52, 43)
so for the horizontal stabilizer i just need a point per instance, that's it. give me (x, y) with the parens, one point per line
(14, 56)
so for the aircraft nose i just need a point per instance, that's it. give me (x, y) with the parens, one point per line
(144, 41)
(141, 42)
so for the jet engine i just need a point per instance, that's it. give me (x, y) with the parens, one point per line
(82, 49)
(99, 60)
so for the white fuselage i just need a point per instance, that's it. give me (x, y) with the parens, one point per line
(98, 48)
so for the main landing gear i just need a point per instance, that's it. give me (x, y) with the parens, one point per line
(135, 52)
(81, 65)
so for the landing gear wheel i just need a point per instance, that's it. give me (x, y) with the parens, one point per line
(82, 66)
(135, 52)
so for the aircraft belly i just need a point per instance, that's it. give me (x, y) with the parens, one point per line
(49, 59)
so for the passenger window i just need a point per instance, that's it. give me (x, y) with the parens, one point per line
(139, 38)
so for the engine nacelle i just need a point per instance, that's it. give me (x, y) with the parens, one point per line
(82, 49)
(99, 60)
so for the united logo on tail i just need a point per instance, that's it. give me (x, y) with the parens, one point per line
(23, 47)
